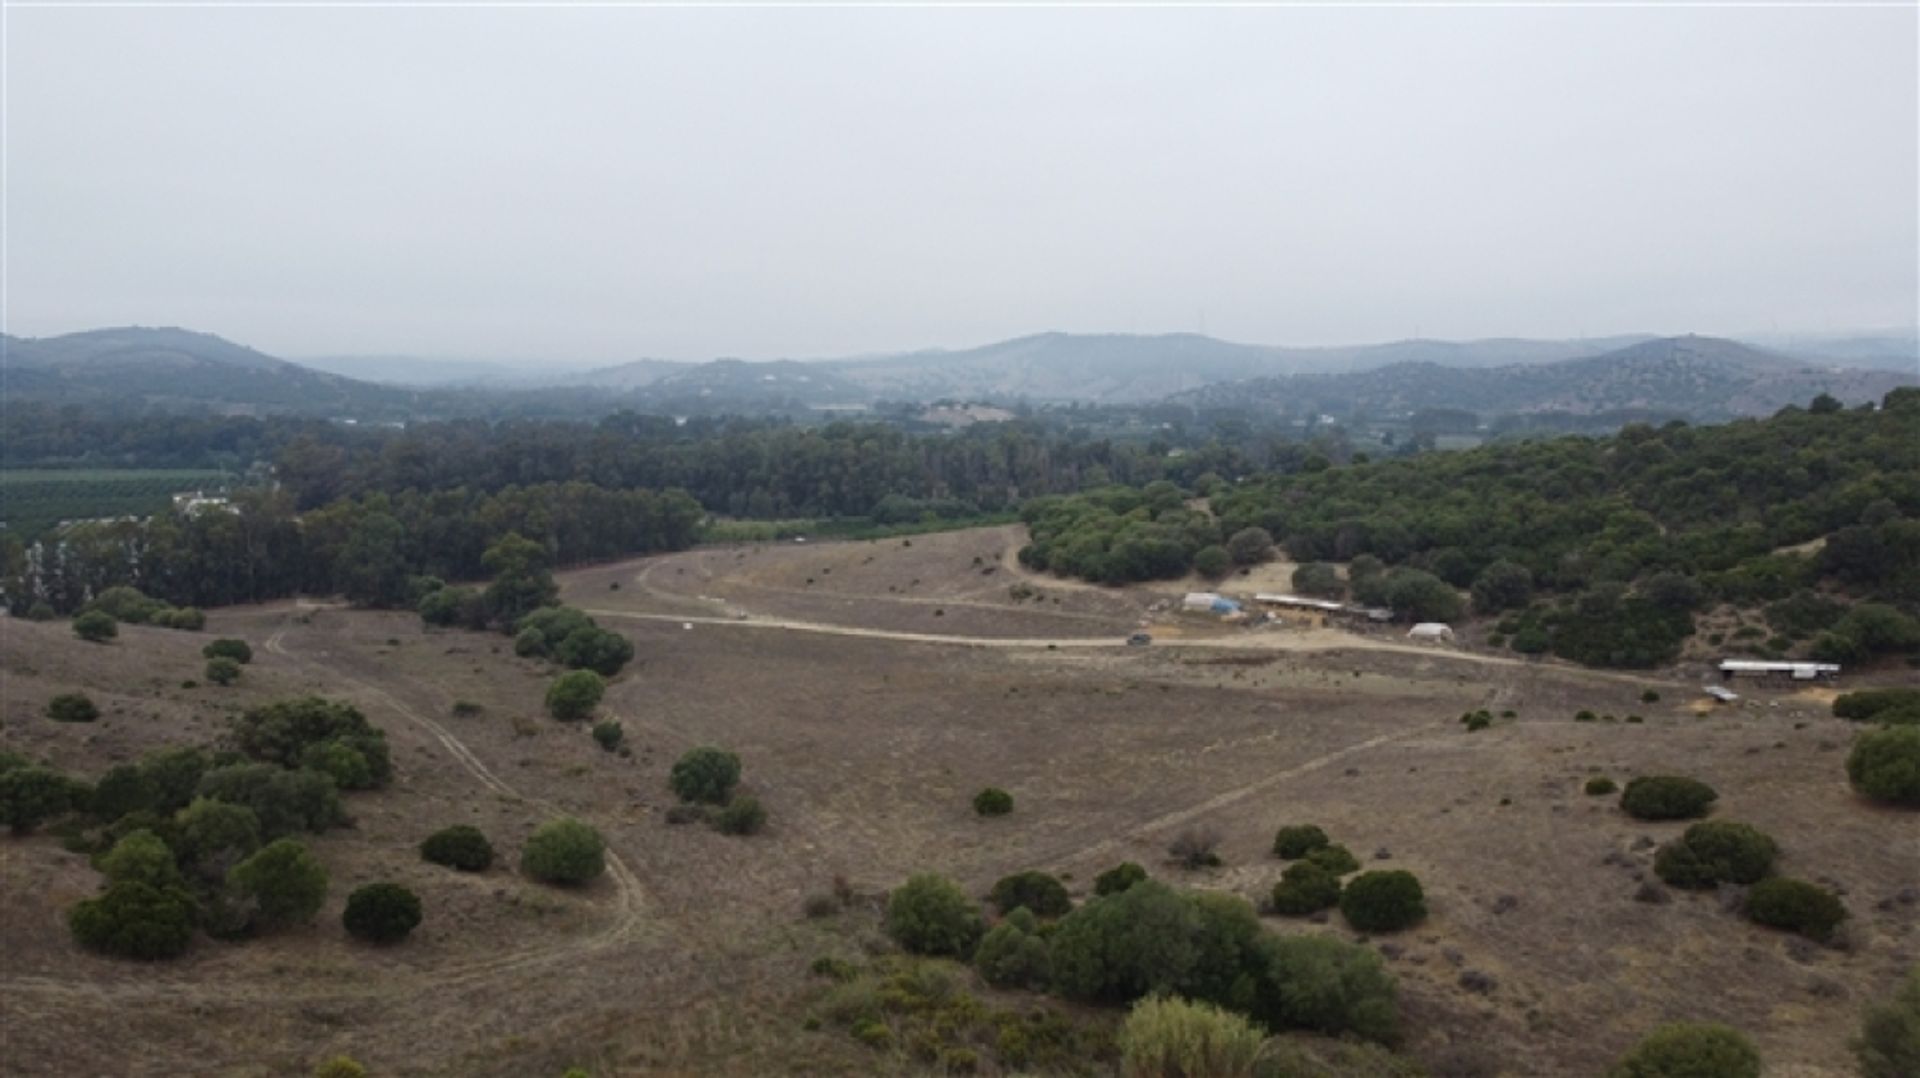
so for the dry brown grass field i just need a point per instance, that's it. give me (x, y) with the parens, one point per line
(871, 688)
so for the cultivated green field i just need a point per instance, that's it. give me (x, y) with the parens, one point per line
(34, 500)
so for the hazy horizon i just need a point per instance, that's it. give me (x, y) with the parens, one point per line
(585, 187)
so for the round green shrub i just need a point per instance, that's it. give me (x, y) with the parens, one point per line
(1690, 1050)
(341, 1067)
(72, 707)
(1305, 888)
(1298, 840)
(134, 920)
(381, 912)
(609, 734)
(1012, 954)
(1383, 901)
(1335, 858)
(1118, 878)
(1889, 1042)
(222, 671)
(564, 851)
(140, 857)
(1172, 1036)
(574, 694)
(213, 836)
(742, 816)
(461, 847)
(1035, 891)
(930, 914)
(705, 774)
(1600, 786)
(1885, 765)
(284, 881)
(1715, 852)
(1795, 905)
(228, 648)
(993, 801)
(1330, 986)
(95, 627)
(1666, 797)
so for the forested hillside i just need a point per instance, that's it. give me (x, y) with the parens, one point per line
(1600, 550)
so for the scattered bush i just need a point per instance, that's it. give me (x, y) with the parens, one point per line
(1336, 859)
(609, 734)
(342, 1067)
(1477, 720)
(1118, 878)
(466, 708)
(1037, 892)
(564, 851)
(1150, 938)
(284, 801)
(1666, 797)
(210, 837)
(1305, 888)
(1212, 562)
(1330, 986)
(222, 671)
(1600, 786)
(463, 607)
(189, 618)
(742, 816)
(227, 647)
(1885, 765)
(1195, 847)
(930, 914)
(284, 882)
(461, 847)
(1796, 906)
(574, 694)
(705, 774)
(1012, 954)
(1690, 1050)
(1383, 901)
(40, 611)
(1713, 853)
(135, 920)
(1583, 715)
(1889, 1042)
(72, 707)
(1297, 841)
(319, 734)
(1250, 546)
(382, 912)
(1170, 1036)
(140, 857)
(30, 796)
(1650, 696)
(1875, 705)
(992, 801)
(95, 627)
(122, 790)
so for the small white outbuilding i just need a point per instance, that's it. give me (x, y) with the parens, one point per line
(1430, 630)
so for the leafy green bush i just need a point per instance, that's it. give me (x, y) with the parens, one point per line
(930, 914)
(1150, 938)
(1885, 765)
(342, 1067)
(1012, 954)
(189, 618)
(227, 647)
(1872, 705)
(1690, 1050)
(1889, 1042)
(463, 607)
(222, 671)
(128, 604)
(1715, 852)
(135, 920)
(705, 774)
(1477, 720)
(1330, 986)
(574, 694)
(609, 734)
(382, 912)
(30, 796)
(318, 734)
(1335, 859)
(284, 882)
(140, 857)
(1169, 1036)
(1251, 546)
(213, 836)
(564, 851)
(123, 789)
(283, 801)
(742, 816)
(1666, 797)
(95, 627)
(1118, 878)
(461, 846)
(1795, 905)
(72, 707)
(1298, 840)
(992, 801)
(1035, 891)
(1212, 562)
(1305, 888)
(174, 774)
(1383, 901)
(1600, 786)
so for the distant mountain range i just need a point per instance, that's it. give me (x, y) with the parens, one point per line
(1702, 377)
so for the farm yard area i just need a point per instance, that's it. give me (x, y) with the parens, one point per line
(870, 689)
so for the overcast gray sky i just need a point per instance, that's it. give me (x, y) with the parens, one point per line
(600, 185)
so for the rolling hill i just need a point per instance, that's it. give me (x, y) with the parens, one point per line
(1698, 377)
